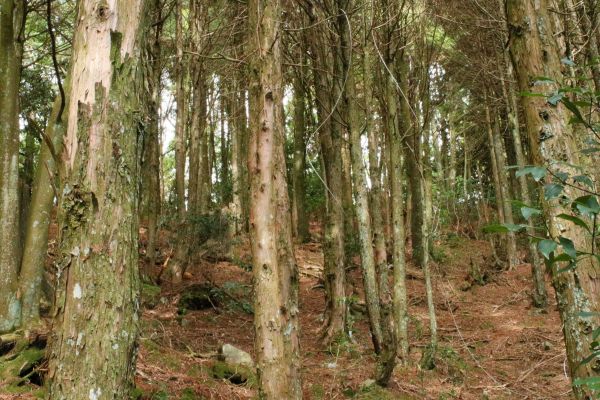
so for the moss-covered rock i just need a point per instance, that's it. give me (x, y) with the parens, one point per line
(150, 296)
(18, 366)
(236, 374)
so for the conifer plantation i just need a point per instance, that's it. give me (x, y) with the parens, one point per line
(299, 199)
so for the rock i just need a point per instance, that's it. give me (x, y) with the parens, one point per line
(236, 374)
(234, 356)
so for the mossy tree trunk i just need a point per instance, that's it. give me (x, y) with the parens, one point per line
(96, 309)
(275, 275)
(35, 244)
(534, 53)
(11, 53)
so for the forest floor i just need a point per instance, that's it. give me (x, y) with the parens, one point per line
(493, 343)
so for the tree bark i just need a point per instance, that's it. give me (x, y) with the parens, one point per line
(11, 53)
(534, 53)
(35, 245)
(299, 164)
(98, 216)
(333, 237)
(151, 156)
(275, 320)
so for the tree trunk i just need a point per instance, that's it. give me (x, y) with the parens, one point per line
(151, 160)
(178, 264)
(36, 237)
(551, 139)
(11, 52)
(98, 262)
(351, 117)
(275, 326)
(333, 237)
(504, 189)
(540, 295)
(299, 165)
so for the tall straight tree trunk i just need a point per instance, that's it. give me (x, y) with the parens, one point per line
(333, 238)
(387, 360)
(275, 320)
(299, 165)
(504, 188)
(534, 53)
(151, 160)
(235, 133)
(197, 134)
(178, 264)
(359, 181)
(96, 310)
(396, 177)
(11, 53)
(180, 98)
(540, 295)
(500, 244)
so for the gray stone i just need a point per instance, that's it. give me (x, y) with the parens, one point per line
(232, 355)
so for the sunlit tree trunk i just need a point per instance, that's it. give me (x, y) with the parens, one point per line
(275, 280)
(534, 53)
(11, 53)
(96, 309)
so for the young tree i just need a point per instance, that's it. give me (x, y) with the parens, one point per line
(275, 275)
(96, 309)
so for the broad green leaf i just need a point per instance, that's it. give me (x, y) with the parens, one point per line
(555, 98)
(552, 191)
(562, 176)
(529, 212)
(568, 247)
(584, 180)
(575, 220)
(547, 247)
(573, 108)
(538, 173)
(503, 228)
(587, 205)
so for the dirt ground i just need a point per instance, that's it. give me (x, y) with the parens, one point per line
(493, 343)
